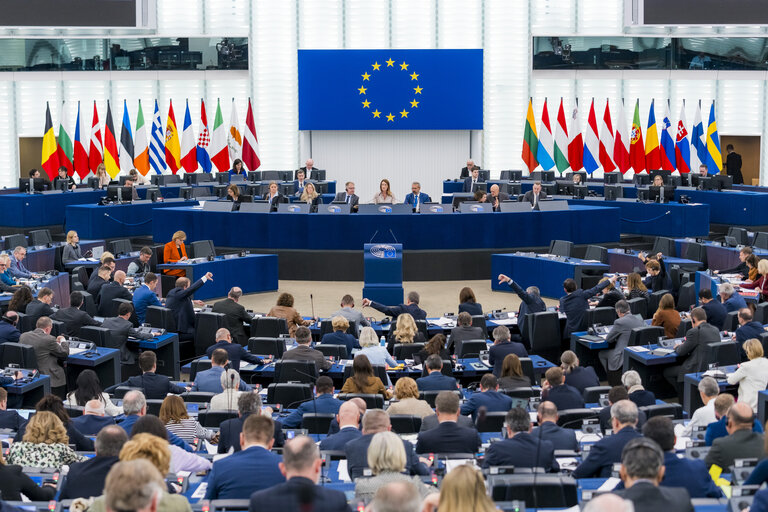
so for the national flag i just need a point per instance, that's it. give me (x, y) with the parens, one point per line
(682, 147)
(530, 139)
(652, 152)
(620, 149)
(546, 144)
(140, 147)
(606, 141)
(172, 149)
(111, 159)
(65, 148)
(96, 149)
(591, 142)
(251, 142)
(188, 151)
(698, 140)
(714, 156)
(50, 156)
(235, 139)
(203, 141)
(560, 153)
(667, 142)
(80, 162)
(219, 150)
(576, 143)
(126, 141)
(636, 149)
(157, 143)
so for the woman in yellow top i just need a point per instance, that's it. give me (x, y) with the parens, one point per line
(363, 381)
(175, 251)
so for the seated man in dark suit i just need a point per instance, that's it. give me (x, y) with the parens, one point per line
(558, 392)
(741, 442)
(8, 330)
(179, 301)
(531, 301)
(229, 430)
(435, 380)
(488, 397)
(96, 282)
(535, 195)
(561, 438)
(300, 182)
(339, 335)
(302, 469)
(496, 197)
(448, 436)
(348, 196)
(235, 351)
(323, 403)
(466, 171)
(471, 182)
(719, 428)
(614, 395)
(113, 290)
(521, 449)
(303, 352)
(431, 421)
(642, 470)
(9, 419)
(255, 459)
(234, 316)
(411, 306)
(715, 311)
(86, 479)
(637, 393)
(464, 332)
(575, 302)
(348, 419)
(73, 317)
(93, 419)
(502, 347)
(153, 386)
(41, 306)
(606, 452)
(120, 329)
(375, 421)
(748, 329)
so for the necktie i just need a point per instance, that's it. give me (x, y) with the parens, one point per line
(417, 203)
(347, 200)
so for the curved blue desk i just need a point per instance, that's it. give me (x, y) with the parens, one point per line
(37, 210)
(93, 221)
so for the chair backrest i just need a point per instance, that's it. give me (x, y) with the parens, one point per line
(74, 411)
(685, 325)
(161, 317)
(561, 248)
(81, 275)
(573, 418)
(337, 351)
(58, 263)
(206, 325)
(296, 371)
(117, 247)
(421, 326)
(405, 423)
(406, 350)
(26, 322)
(198, 365)
(479, 321)
(761, 313)
(722, 352)
(317, 423)
(202, 397)
(674, 411)
(543, 331)
(645, 335)
(267, 346)
(57, 328)
(638, 306)
(527, 365)
(115, 307)
(686, 297)
(592, 394)
(212, 419)
(153, 406)
(490, 421)
(89, 304)
(268, 327)
(14, 241)
(430, 396)
(372, 401)
(120, 391)
(761, 240)
(653, 301)
(471, 348)
(696, 252)
(596, 252)
(17, 353)
(520, 392)
(731, 322)
(379, 370)
(663, 245)
(674, 276)
(98, 335)
(203, 248)
(446, 370)
(547, 491)
(326, 327)
(740, 234)
(289, 395)
(604, 316)
(40, 237)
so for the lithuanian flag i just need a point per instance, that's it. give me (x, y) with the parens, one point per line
(530, 139)
(50, 158)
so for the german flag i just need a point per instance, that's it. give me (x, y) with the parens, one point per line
(111, 161)
(50, 158)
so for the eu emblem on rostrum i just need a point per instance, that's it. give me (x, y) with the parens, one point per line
(383, 273)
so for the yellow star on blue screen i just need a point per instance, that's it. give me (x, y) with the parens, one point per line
(390, 117)
(376, 113)
(390, 62)
(404, 113)
(415, 104)
(362, 89)
(417, 89)
(366, 104)
(376, 66)
(414, 76)
(365, 76)
(404, 66)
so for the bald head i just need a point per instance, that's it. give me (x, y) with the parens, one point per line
(120, 277)
(94, 408)
(740, 417)
(235, 293)
(349, 415)
(360, 403)
(223, 334)
(608, 503)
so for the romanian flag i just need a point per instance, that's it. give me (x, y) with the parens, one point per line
(714, 156)
(50, 157)
(636, 152)
(111, 159)
(652, 151)
(172, 147)
(530, 140)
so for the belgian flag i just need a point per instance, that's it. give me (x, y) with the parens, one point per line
(50, 158)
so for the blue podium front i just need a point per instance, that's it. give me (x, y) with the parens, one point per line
(383, 273)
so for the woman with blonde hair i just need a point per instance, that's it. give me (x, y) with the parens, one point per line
(405, 332)
(761, 283)
(635, 286)
(45, 444)
(175, 251)
(666, 316)
(71, 250)
(101, 173)
(384, 195)
(512, 375)
(173, 413)
(752, 376)
(310, 196)
(580, 377)
(376, 354)
(407, 394)
(462, 489)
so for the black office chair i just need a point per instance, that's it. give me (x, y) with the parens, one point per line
(471, 348)
(40, 237)
(653, 301)
(645, 335)
(674, 276)
(592, 394)
(479, 321)
(421, 326)
(115, 306)
(120, 391)
(602, 316)
(430, 396)
(74, 411)
(696, 252)
(379, 370)
(406, 350)
(524, 393)
(203, 248)
(673, 411)
(120, 247)
(561, 248)
(98, 335)
(213, 419)
(446, 370)
(740, 234)
(544, 333)
(731, 322)
(326, 327)
(663, 245)
(197, 366)
(573, 418)
(271, 176)
(206, 325)
(57, 328)
(638, 306)
(202, 397)
(405, 423)
(14, 241)
(268, 327)
(19, 354)
(686, 297)
(372, 401)
(596, 252)
(337, 351)
(685, 325)
(761, 240)
(153, 406)
(527, 365)
(546, 491)
(296, 371)
(267, 346)
(26, 323)
(317, 423)
(724, 352)
(490, 421)
(58, 264)
(161, 318)
(761, 313)
(289, 394)
(78, 279)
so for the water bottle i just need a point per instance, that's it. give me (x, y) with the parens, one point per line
(383, 341)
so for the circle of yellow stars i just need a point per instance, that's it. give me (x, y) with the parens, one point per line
(390, 64)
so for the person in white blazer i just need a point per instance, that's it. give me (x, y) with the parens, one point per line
(752, 376)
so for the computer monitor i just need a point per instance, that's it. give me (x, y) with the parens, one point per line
(511, 175)
(660, 172)
(547, 176)
(641, 180)
(724, 181)
(153, 194)
(93, 182)
(643, 194)
(553, 206)
(580, 191)
(480, 186)
(254, 175)
(674, 181)
(613, 192)
(62, 185)
(384, 208)
(661, 194)
(218, 206)
(459, 198)
(612, 177)
(708, 183)
(31, 185)
(293, 208)
(164, 179)
(119, 194)
(256, 207)
(514, 189)
(564, 187)
(514, 206)
(583, 174)
(221, 177)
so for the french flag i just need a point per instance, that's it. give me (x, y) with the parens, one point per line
(188, 151)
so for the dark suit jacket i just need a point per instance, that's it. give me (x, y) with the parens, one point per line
(448, 437)
(693, 348)
(37, 308)
(468, 183)
(153, 386)
(48, 353)
(499, 351)
(529, 304)
(11, 419)
(575, 305)
(436, 381)
(234, 316)
(90, 425)
(565, 397)
(715, 313)
(285, 498)
(520, 451)
(649, 498)
(357, 457)
(582, 377)
(109, 291)
(13, 482)
(691, 474)
(120, 329)
(94, 286)
(180, 302)
(461, 333)
(229, 434)
(306, 353)
(561, 438)
(279, 198)
(747, 331)
(741, 268)
(473, 308)
(337, 441)
(341, 338)
(341, 196)
(394, 311)
(604, 453)
(604, 417)
(8, 332)
(411, 199)
(529, 197)
(742, 444)
(430, 422)
(493, 401)
(86, 479)
(643, 397)
(503, 196)
(73, 319)
(226, 482)
(466, 172)
(236, 353)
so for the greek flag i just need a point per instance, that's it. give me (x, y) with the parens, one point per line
(156, 144)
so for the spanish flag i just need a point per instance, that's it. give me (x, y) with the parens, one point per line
(50, 158)
(111, 161)
(172, 148)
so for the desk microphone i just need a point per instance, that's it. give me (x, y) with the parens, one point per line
(312, 303)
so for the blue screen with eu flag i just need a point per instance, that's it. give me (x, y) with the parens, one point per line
(390, 89)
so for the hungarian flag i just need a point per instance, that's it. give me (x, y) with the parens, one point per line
(667, 142)
(606, 141)
(203, 141)
(172, 149)
(636, 149)
(65, 148)
(188, 151)
(140, 147)
(652, 153)
(95, 151)
(591, 142)
(620, 150)
(235, 139)
(250, 142)
(126, 141)
(530, 139)
(682, 146)
(219, 148)
(546, 145)
(81, 155)
(50, 156)
(111, 158)
(576, 143)
(560, 152)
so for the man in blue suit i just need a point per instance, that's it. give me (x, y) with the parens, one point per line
(448, 436)
(145, 296)
(417, 198)
(229, 431)
(521, 449)
(339, 335)
(86, 479)
(747, 330)
(575, 302)
(559, 393)
(411, 306)
(226, 481)
(531, 301)
(8, 330)
(488, 397)
(502, 347)
(548, 430)
(209, 381)
(348, 419)
(324, 403)
(9, 419)
(435, 380)
(235, 351)
(715, 311)
(606, 452)
(179, 300)
(93, 419)
(730, 299)
(471, 182)
(300, 182)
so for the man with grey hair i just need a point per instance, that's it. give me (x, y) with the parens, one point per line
(411, 307)
(229, 430)
(235, 351)
(637, 393)
(612, 359)
(301, 467)
(692, 350)
(466, 171)
(704, 415)
(642, 469)
(730, 299)
(227, 399)
(234, 316)
(531, 301)
(86, 479)
(417, 198)
(136, 486)
(396, 497)
(606, 452)
(608, 503)
(521, 449)
(93, 418)
(502, 347)
(134, 407)
(17, 267)
(304, 352)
